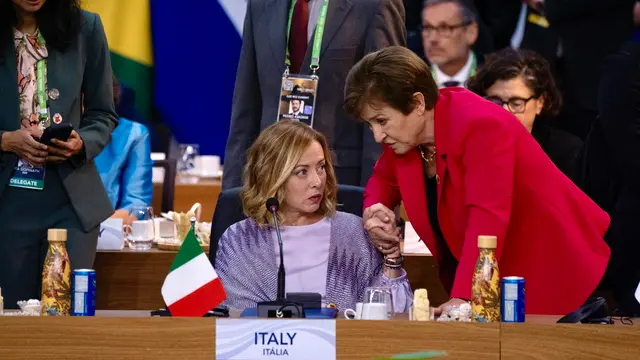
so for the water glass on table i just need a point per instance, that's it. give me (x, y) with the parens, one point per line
(141, 232)
(377, 304)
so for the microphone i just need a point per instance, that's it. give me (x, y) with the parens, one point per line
(273, 205)
(281, 307)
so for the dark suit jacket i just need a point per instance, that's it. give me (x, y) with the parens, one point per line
(611, 168)
(589, 30)
(561, 147)
(353, 29)
(84, 67)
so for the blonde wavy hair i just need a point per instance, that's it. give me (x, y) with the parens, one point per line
(271, 161)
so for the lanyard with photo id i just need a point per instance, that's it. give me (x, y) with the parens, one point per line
(25, 175)
(298, 92)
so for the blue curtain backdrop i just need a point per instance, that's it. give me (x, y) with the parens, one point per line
(196, 49)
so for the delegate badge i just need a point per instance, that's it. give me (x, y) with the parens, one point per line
(27, 176)
(298, 98)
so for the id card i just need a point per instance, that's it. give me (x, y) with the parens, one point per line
(298, 98)
(27, 176)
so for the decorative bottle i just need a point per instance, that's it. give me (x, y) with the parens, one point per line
(56, 276)
(485, 292)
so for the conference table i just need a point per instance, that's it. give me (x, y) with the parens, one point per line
(131, 280)
(136, 335)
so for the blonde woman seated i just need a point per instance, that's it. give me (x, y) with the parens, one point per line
(325, 251)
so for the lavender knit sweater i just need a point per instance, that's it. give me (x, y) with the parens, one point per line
(246, 264)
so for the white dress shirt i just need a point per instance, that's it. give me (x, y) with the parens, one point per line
(461, 77)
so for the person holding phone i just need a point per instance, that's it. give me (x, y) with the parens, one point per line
(52, 52)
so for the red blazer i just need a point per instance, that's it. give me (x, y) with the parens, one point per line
(494, 179)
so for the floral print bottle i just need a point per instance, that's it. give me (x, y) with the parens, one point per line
(56, 276)
(485, 291)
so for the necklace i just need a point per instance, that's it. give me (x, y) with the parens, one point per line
(427, 156)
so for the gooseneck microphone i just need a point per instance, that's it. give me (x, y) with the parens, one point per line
(273, 205)
(292, 305)
(279, 307)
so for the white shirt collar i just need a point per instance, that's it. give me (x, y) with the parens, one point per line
(460, 77)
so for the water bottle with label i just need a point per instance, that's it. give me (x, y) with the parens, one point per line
(56, 276)
(485, 291)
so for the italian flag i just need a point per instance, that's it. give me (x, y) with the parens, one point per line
(192, 287)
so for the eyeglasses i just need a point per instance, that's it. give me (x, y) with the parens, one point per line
(516, 105)
(442, 30)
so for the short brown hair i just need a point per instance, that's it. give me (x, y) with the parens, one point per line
(271, 161)
(510, 63)
(390, 76)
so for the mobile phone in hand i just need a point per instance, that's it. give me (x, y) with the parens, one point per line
(56, 131)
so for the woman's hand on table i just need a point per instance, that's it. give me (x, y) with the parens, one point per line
(380, 223)
(455, 302)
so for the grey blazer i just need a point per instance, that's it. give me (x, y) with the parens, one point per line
(84, 67)
(353, 29)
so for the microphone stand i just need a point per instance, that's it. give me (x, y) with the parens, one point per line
(270, 309)
(281, 274)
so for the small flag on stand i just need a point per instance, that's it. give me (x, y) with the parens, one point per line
(192, 287)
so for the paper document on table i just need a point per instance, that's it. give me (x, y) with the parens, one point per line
(412, 242)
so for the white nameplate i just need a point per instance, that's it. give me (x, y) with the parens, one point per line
(268, 339)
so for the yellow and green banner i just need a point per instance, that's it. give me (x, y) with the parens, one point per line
(127, 24)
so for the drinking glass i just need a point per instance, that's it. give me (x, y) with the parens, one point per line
(187, 162)
(377, 304)
(141, 232)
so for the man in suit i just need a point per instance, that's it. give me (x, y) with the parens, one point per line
(449, 30)
(483, 45)
(353, 29)
(611, 170)
(295, 107)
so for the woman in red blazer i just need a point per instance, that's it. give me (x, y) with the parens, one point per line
(464, 167)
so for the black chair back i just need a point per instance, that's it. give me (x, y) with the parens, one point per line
(229, 211)
(169, 182)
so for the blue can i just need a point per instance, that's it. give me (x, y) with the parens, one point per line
(512, 299)
(83, 295)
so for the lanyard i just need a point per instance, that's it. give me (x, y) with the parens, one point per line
(472, 69)
(41, 91)
(317, 38)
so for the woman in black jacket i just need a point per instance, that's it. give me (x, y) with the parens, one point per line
(521, 82)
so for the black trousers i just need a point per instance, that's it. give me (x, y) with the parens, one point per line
(25, 217)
